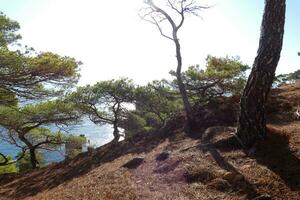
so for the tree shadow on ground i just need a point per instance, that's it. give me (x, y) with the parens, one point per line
(228, 144)
(276, 154)
(247, 188)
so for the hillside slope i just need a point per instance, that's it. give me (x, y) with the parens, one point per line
(168, 164)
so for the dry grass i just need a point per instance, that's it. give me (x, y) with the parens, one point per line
(194, 174)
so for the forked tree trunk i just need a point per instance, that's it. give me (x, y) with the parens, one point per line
(32, 154)
(184, 9)
(252, 122)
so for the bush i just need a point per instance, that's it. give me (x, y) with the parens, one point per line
(11, 168)
(24, 164)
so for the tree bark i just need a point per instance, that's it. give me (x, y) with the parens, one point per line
(116, 133)
(175, 27)
(181, 86)
(33, 159)
(252, 121)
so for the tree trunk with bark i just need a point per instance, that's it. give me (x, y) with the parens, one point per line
(156, 15)
(115, 122)
(116, 133)
(33, 159)
(252, 121)
(32, 154)
(181, 86)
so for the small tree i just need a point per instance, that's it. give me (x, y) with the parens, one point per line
(29, 75)
(161, 17)
(7, 168)
(24, 164)
(287, 78)
(8, 29)
(25, 127)
(105, 102)
(157, 98)
(222, 76)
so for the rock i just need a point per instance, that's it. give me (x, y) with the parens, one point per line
(263, 197)
(199, 175)
(246, 167)
(134, 163)
(292, 149)
(166, 167)
(229, 176)
(221, 172)
(238, 178)
(162, 156)
(219, 184)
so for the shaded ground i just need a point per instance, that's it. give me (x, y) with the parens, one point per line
(196, 173)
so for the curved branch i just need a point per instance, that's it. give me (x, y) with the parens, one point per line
(8, 162)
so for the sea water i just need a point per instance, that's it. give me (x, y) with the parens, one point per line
(97, 135)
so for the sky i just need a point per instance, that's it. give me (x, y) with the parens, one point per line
(112, 41)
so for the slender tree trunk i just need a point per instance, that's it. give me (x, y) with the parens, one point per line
(116, 133)
(252, 122)
(4, 160)
(190, 8)
(181, 86)
(33, 159)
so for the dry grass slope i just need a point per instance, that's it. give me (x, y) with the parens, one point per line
(272, 171)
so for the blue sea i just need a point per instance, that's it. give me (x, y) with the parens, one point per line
(97, 135)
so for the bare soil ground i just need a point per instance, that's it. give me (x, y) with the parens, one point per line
(181, 172)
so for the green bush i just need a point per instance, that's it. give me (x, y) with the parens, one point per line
(24, 164)
(11, 168)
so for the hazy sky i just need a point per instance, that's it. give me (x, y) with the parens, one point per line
(112, 41)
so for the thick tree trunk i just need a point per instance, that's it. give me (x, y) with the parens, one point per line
(252, 122)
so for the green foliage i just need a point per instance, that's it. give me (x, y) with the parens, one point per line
(29, 74)
(287, 78)
(10, 168)
(7, 98)
(75, 139)
(24, 164)
(26, 127)
(105, 102)
(73, 145)
(45, 113)
(133, 123)
(8, 29)
(222, 76)
(154, 104)
(157, 98)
